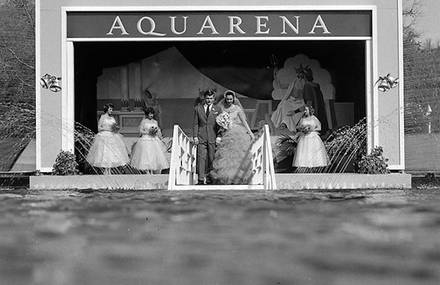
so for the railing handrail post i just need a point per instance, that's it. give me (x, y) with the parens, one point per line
(270, 171)
(175, 176)
(173, 162)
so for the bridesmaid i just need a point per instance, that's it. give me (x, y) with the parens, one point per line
(149, 151)
(108, 149)
(310, 151)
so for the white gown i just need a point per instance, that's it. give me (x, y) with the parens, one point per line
(310, 151)
(231, 164)
(149, 151)
(108, 149)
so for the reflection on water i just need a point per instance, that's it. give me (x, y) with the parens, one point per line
(163, 237)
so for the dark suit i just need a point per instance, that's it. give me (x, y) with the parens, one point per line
(205, 129)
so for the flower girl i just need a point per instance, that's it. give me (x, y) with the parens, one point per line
(310, 151)
(149, 151)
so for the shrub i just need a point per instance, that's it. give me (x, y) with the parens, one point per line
(286, 145)
(373, 163)
(65, 164)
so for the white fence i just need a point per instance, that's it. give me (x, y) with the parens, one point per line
(183, 164)
(183, 160)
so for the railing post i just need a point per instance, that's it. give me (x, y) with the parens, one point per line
(173, 162)
(183, 160)
(270, 169)
(264, 162)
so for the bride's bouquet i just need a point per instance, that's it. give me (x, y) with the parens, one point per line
(224, 120)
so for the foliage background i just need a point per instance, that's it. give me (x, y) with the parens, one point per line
(17, 78)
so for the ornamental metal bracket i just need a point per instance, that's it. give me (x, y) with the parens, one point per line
(386, 83)
(51, 82)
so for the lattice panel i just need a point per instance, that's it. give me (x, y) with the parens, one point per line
(257, 152)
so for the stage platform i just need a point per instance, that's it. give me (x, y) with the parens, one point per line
(284, 182)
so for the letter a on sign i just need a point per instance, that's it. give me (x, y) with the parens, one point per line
(319, 23)
(117, 24)
(207, 24)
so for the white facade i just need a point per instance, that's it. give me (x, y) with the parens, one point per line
(55, 55)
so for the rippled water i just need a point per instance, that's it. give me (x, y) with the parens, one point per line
(163, 237)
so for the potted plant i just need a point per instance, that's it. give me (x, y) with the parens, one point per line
(373, 163)
(65, 164)
(124, 104)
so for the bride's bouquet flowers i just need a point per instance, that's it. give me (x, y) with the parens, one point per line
(224, 120)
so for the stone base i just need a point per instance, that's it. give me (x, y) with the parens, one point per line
(343, 181)
(284, 182)
(117, 182)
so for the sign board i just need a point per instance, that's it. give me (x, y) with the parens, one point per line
(220, 24)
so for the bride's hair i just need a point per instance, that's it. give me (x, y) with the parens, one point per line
(229, 92)
(236, 102)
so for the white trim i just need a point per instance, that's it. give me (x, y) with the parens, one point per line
(368, 94)
(401, 87)
(64, 91)
(68, 92)
(37, 88)
(371, 8)
(375, 76)
(395, 167)
(67, 88)
(45, 169)
(220, 8)
(177, 39)
(70, 98)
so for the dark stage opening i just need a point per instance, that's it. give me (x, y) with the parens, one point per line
(243, 66)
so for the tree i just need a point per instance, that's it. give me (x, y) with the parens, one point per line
(411, 11)
(17, 50)
(17, 78)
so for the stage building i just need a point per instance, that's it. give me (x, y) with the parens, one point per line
(165, 53)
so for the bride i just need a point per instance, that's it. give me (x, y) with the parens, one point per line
(231, 164)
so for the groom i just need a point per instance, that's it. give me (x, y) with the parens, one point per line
(205, 131)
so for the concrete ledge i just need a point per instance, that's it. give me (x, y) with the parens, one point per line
(132, 182)
(287, 181)
(343, 181)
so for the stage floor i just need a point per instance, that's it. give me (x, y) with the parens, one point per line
(284, 181)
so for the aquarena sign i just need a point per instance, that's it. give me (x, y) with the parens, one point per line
(204, 24)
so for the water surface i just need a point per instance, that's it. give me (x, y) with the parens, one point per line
(240, 237)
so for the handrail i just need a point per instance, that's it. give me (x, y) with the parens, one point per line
(183, 163)
(262, 161)
(270, 169)
(183, 160)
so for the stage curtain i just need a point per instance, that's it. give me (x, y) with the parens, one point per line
(253, 80)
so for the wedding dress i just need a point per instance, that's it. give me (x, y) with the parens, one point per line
(232, 164)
